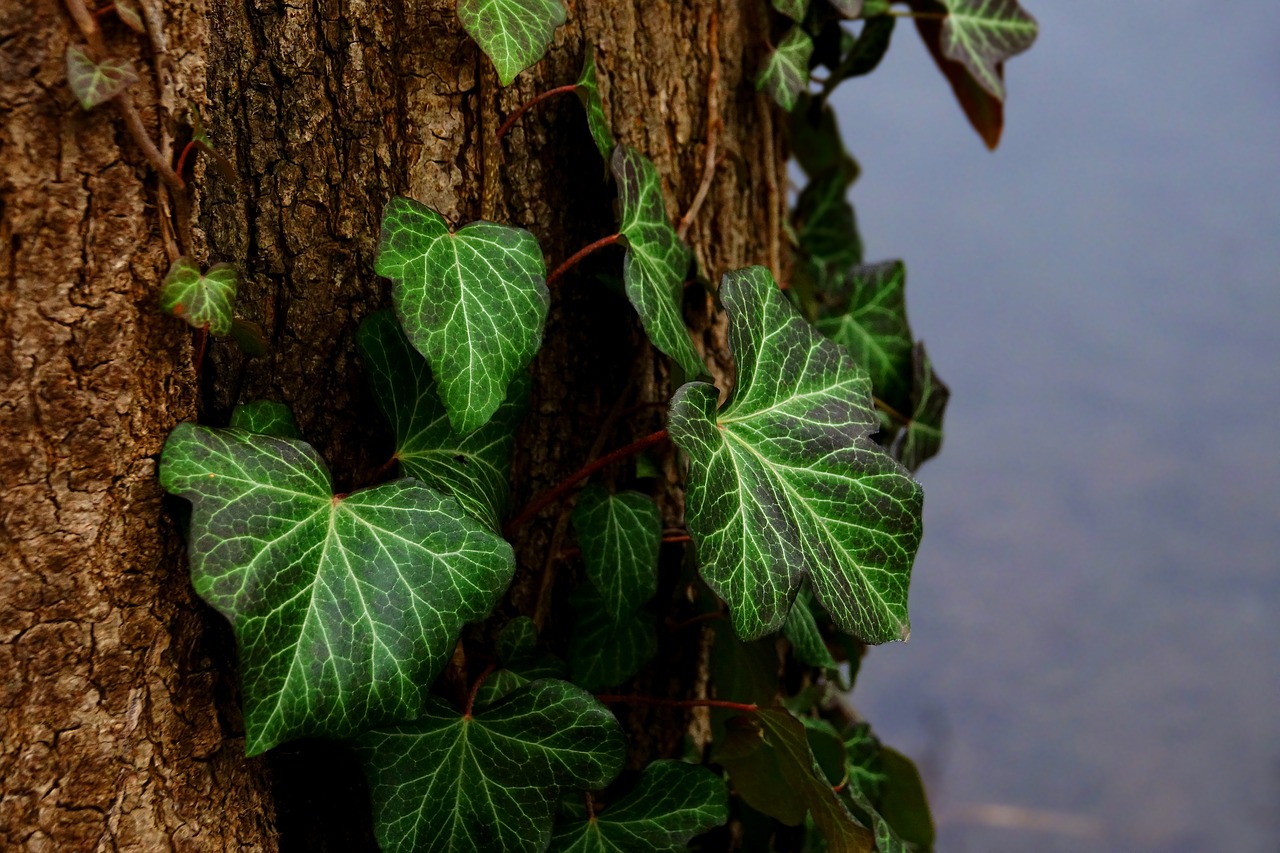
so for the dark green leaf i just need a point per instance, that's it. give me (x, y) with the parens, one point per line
(266, 417)
(866, 52)
(785, 482)
(904, 803)
(654, 268)
(201, 299)
(887, 841)
(474, 467)
(828, 750)
(794, 9)
(868, 316)
(744, 672)
(755, 770)
(865, 769)
(249, 337)
(816, 142)
(670, 804)
(513, 33)
(489, 781)
(982, 34)
(517, 649)
(922, 437)
(518, 640)
(589, 94)
(620, 536)
(604, 650)
(474, 302)
(96, 83)
(344, 607)
(801, 630)
(825, 224)
(786, 70)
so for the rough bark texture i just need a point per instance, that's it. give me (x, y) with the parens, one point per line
(326, 109)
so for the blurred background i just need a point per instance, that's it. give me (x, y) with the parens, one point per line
(1095, 661)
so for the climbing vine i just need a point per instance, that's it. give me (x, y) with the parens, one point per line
(802, 516)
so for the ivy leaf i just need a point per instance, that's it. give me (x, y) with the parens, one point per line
(620, 536)
(489, 780)
(801, 630)
(865, 770)
(517, 649)
(589, 93)
(514, 34)
(869, 318)
(828, 750)
(95, 83)
(816, 142)
(266, 417)
(201, 299)
(865, 54)
(249, 336)
(922, 437)
(825, 224)
(654, 268)
(474, 467)
(344, 607)
(785, 482)
(794, 9)
(982, 34)
(606, 650)
(474, 302)
(904, 803)
(128, 14)
(670, 804)
(786, 71)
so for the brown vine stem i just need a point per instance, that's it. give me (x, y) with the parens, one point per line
(579, 255)
(530, 104)
(611, 699)
(558, 491)
(714, 126)
(475, 689)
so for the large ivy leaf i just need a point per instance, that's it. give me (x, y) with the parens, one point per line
(344, 607)
(620, 536)
(982, 34)
(606, 650)
(588, 90)
(922, 437)
(670, 804)
(869, 318)
(786, 70)
(488, 781)
(514, 34)
(201, 299)
(474, 467)
(474, 302)
(95, 83)
(785, 482)
(654, 267)
(266, 417)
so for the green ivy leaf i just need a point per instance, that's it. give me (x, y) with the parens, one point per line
(201, 299)
(249, 337)
(517, 649)
(816, 142)
(865, 768)
(922, 437)
(869, 318)
(488, 781)
(825, 224)
(793, 9)
(620, 536)
(982, 34)
(785, 482)
(828, 750)
(606, 650)
(474, 467)
(266, 417)
(589, 93)
(95, 83)
(514, 34)
(654, 268)
(903, 802)
(670, 804)
(344, 607)
(474, 302)
(801, 630)
(984, 111)
(786, 70)
(865, 54)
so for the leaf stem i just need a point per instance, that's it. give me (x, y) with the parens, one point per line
(475, 689)
(557, 491)
(530, 104)
(611, 699)
(579, 255)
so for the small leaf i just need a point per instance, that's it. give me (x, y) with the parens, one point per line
(249, 337)
(785, 482)
(869, 318)
(604, 650)
(865, 768)
(922, 438)
(488, 781)
(474, 302)
(825, 224)
(795, 9)
(801, 630)
(786, 71)
(96, 83)
(266, 417)
(513, 33)
(828, 750)
(344, 608)
(201, 299)
(128, 13)
(517, 649)
(589, 94)
(654, 268)
(816, 142)
(620, 536)
(473, 468)
(867, 51)
(904, 803)
(982, 34)
(670, 804)
(517, 640)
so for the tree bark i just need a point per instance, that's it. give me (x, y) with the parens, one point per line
(119, 726)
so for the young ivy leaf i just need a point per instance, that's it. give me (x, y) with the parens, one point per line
(922, 438)
(869, 318)
(473, 468)
(670, 804)
(201, 299)
(606, 650)
(786, 71)
(513, 33)
(793, 9)
(474, 302)
(96, 83)
(344, 607)
(266, 417)
(654, 268)
(982, 34)
(785, 482)
(620, 536)
(488, 780)
(589, 93)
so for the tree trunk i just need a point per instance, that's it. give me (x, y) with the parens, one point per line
(119, 726)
